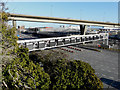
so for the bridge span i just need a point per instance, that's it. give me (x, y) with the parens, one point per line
(83, 23)
(21, 17)
(49, 43)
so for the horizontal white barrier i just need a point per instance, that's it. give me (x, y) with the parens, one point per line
(47, 43)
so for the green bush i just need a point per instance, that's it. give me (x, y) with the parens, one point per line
(84, 76)
(75, 74)
(23, 73)
(66, 74)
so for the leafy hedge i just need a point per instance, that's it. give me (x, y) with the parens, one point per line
(66, 74)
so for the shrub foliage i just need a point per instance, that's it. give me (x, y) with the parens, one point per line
(18, 71)
(23, 73)
(66, 74)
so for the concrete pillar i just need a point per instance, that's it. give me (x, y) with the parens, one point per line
(14, 23)
(83, 29)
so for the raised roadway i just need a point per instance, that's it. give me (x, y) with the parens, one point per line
(21, 17)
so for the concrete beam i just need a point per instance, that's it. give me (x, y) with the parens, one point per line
(19, 17)
(55, 21)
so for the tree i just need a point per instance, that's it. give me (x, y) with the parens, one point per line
(17, 69)
(23, 73)
(9, 39)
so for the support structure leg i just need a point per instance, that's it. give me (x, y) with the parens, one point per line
(14, 23)
(83, 29)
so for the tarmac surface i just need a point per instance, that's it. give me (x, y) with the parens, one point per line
(105, 64)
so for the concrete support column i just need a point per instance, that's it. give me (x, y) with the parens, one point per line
(83, 29)
(14, 23)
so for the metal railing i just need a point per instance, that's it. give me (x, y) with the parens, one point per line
(48, 43)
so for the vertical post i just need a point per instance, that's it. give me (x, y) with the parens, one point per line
(70, 40)
(76, 39)
(83, 29)
(63, 41)
(56, 42)
(49, 43)
(25, 45)
(14, 23)
(107, 42)
(107, 38)
(38, 45)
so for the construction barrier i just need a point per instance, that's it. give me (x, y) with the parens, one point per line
(67, 50)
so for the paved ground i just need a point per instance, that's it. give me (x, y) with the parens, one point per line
(105, 64)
